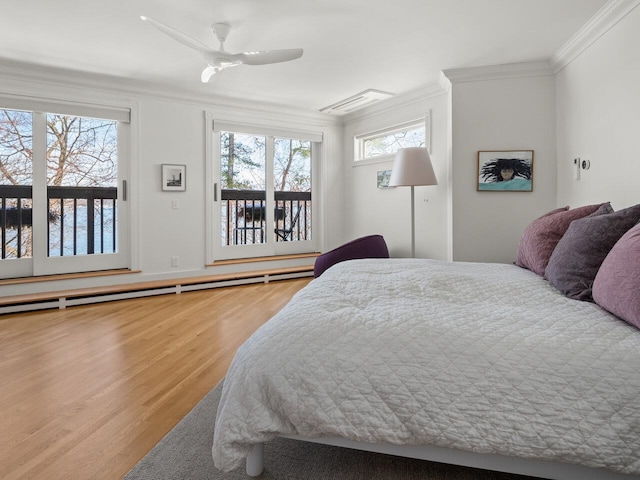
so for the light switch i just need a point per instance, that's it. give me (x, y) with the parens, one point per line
(175, 204)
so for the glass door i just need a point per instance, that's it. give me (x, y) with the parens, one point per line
(243, 192)
(59, 206)
(292, 190)
(262, 194)
(16, 198)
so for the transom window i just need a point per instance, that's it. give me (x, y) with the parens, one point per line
(379, 145)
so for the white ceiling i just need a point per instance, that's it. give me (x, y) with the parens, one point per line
(349, 45)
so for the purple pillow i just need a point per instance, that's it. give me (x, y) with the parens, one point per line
(371, 246)
(616, 287)
(575, 261)
(543, 234)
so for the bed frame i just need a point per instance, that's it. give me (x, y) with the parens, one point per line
(500, 463)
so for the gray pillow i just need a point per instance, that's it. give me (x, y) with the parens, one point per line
(576, 259)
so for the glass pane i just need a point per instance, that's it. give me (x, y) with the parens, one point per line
(389, 143)
(243, 183)
(16, 180)
(82, 180)
(292, 189)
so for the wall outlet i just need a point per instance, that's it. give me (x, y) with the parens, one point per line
(174, 261)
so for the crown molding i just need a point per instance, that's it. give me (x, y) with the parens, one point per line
(495, 72)
(73, 85)
(607, 17)
(444, 82)
(604, 19)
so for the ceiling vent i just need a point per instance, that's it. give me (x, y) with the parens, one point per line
(356, 102)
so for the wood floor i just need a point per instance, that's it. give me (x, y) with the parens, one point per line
(86, 392)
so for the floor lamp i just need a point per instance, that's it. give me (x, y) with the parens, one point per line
(412, 167)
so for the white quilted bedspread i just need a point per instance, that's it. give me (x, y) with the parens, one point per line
(486, 358)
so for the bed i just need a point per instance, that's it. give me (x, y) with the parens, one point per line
(478, 364)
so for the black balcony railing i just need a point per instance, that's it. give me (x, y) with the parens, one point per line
(15, 214)
(244, 217)
(81, 220)
(91, 212)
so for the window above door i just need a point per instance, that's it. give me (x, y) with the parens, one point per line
(382, 145)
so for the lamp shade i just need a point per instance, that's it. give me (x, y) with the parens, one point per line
(412, 166)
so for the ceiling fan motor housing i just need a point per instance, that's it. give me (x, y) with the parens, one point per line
(221, 30)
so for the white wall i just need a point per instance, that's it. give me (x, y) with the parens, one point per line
(499, 108)
(598, 116)
(163, 231)
(170, 128)
(370, 210)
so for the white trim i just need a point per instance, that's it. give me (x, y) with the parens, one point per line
(495, 72)
(39, 193)
(397, 102)
(373, 160)
(132, 171)
(319, 185)
(266, 131)
(608, 16)
(211, 183)
(390, 129)
(487, 461)
(80, 263)
(181, 285)
(215, 251)
(444, 82)
(42, 105)
(41, 263)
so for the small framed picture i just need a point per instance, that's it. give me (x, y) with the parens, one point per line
(505, 171)
(174, 177)
(383, 178)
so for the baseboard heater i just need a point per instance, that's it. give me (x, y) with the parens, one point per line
(68, 298)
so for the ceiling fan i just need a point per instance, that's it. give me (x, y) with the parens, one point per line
(218, 60)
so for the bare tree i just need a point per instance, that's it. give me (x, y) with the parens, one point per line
(293, 171)
(16, 141)
(390, 143)
(79, 152)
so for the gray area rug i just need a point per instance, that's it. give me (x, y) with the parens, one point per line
(185, 454)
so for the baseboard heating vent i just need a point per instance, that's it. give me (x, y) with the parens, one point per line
(356, 102)
(64, 299)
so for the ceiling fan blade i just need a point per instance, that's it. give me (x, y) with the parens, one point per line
(179, 36)
(266, 57)
(209, 72)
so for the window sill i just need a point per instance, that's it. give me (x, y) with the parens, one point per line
(239, 261)
(373, 161)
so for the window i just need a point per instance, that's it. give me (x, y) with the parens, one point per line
(380, 145)
(263, 186)
(59, 174)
